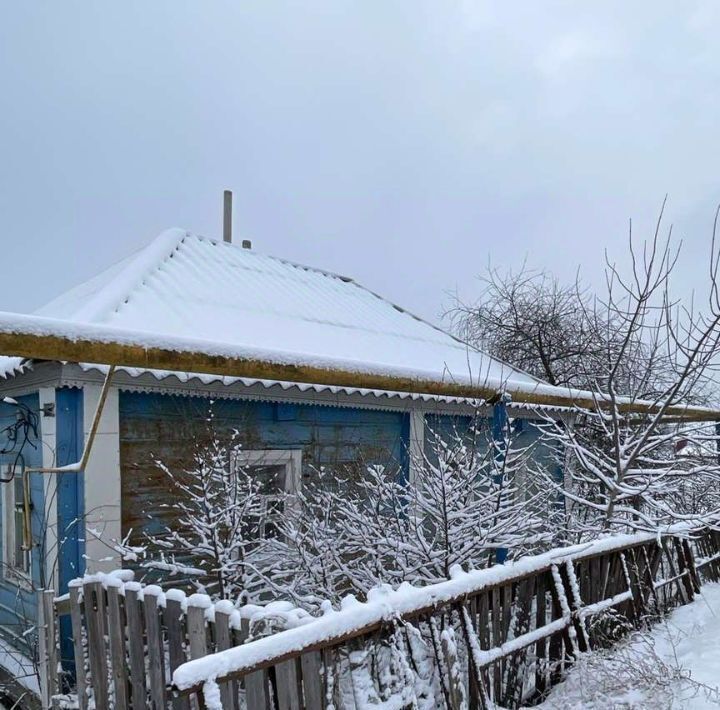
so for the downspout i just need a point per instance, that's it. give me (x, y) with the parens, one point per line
(499, 433)
(70, 468)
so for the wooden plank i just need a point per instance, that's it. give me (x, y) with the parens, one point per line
(433, 623)
(197, 631)
(78, 646)
(48, 597)
(682, 591)
(507, 608)
(541, 647)
(311, 665)
(156, 655)
(595, 581)
(256, 693)
(495, 598)
(43, 653)
(453, 672)
(690, 565)
(574, 600)
(474, 682)
(288, 684)
(560, 644)
(40, 338)
(94, 598)
(173, 617)
(116, 631)
(136, 647)
(223, 641)
(516, 665)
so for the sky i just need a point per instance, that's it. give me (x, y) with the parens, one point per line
(404, 143)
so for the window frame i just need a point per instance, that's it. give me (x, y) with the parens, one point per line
(291, 459)
(21, 576)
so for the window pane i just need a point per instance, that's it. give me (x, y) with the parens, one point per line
(271, 478)
(18, 553)
(19, 489)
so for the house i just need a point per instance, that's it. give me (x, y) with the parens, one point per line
(220, 297)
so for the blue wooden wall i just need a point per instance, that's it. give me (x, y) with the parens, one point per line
(18, 608)
(154, 426)
(71, 494)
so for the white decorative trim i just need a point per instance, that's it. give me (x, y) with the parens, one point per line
(270, 391)
(12, 574)
(50, 491)
(290, 458)
(416, 444)
(102, 482)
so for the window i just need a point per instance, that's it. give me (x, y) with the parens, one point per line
(279, 471)
(16, 559)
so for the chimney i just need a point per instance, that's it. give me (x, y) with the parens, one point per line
(227, 216)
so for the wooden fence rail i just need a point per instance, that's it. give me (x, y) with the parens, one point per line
(497, 636)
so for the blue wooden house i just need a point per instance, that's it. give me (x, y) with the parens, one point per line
(188, 286)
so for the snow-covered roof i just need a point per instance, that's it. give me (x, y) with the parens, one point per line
(186, 286)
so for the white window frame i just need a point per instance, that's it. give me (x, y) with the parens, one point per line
(291, 459)
(12, 573)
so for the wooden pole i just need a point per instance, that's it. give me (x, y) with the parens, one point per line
(51, 339)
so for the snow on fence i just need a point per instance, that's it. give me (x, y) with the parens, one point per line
(496, 636)
(128, 638)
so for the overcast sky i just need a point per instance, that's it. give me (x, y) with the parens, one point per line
(404, 143)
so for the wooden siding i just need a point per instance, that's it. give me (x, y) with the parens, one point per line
(165, 427)
(18, 608)
(69, 437)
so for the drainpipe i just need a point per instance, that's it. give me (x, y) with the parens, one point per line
(499, 431)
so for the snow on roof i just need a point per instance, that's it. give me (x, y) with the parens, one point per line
(187, 286)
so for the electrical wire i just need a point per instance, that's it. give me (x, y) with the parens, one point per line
(19, 434)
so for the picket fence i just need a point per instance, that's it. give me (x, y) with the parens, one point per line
(498, 636)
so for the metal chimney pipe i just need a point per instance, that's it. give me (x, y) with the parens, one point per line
(227, 216)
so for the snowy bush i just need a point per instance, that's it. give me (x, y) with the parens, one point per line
(216, 537)
(344, 533)
(460, 507)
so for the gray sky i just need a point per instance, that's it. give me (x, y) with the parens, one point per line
(404, 143)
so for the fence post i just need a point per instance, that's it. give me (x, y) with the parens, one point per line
(223, 641)
(116, 629)
(135, 624)
(94, 598)
(174, 617)
(197, 632)
(47, 649)
(156, 657)
(78, 646)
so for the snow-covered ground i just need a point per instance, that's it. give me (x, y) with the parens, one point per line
(676, 665)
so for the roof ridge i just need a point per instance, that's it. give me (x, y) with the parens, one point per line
(114, 293)
(460, 341)
(282, 260)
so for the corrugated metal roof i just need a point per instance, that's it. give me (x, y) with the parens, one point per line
(187, 286)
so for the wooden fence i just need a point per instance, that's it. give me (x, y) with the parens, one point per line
(498, 636)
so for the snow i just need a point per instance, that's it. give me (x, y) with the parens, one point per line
(187, 292)
(21, 667)
(382, 606)
(674, 665)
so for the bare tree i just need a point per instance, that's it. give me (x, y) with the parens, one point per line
(532, 320)
(558, 332)
(637, 457)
